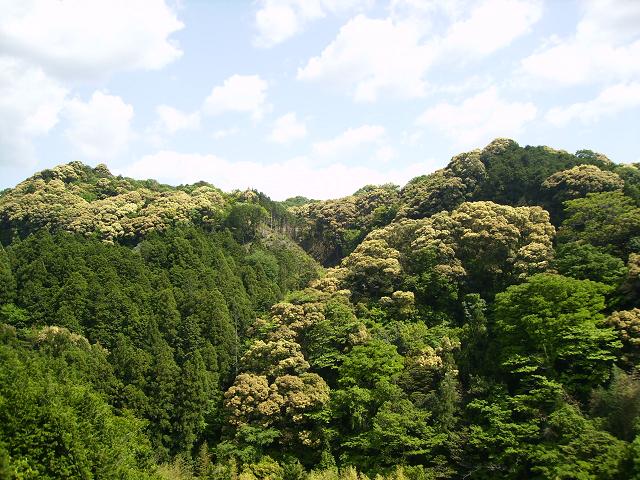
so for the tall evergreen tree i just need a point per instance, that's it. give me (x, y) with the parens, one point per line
(7, 280)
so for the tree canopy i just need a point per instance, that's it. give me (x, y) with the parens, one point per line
(479, 322)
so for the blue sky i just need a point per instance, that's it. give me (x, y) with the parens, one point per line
(310, 97)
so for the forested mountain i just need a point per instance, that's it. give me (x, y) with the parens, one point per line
(480, 322)
(502, 172)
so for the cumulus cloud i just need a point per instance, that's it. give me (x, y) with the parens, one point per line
(573, 62)
(86, 38)
(605, 47)
(279, 20)
(610, 101)
(288, 128)
(365, 58)
(278, 180)
(99, 128)
(172, 120)
(30, 104)
(46, 46)
(349, 140)
(393, 55)
(238, 93)
(491, 25)
(479, 119)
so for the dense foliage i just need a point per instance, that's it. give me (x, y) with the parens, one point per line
(481, 322)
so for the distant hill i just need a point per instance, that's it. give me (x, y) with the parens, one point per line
(502, 172)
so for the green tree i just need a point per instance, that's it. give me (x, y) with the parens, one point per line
(502, 428)
(514, 174)
(619, 404)
(474, 336)
(166, 312)
(244, 219)
(368, 365)
(7, 280)
(553, 326)
(161, 387)
(72, 300)
(578, 182)
(373, 268)
(192, 396)
(626, 324)
(325, 340)
(401, 434)
(131, 365)
(631, 286)
(609, 220)
(57, 426)
(586, 262)
(366, 380)
(277, 402)
(574, 447)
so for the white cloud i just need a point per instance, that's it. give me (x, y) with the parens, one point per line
(393, 55)
(225, 132)
(99, 128)
(238, 93)
(278, 180)
(349, 140)
(492, 25)
(288, 128)
(610, 101)
(47, 45)
(276, 23)
(172, 120)
(479, 119)
(385, 154)
(412, 137)
(573, 62)
(30, 103)
(609, 20)
(605, 47)
(85, 38)
(279, 20)
(424, 10)
(365, 56)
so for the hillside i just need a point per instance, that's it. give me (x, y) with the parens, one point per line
(502, 172)
(481, 321)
